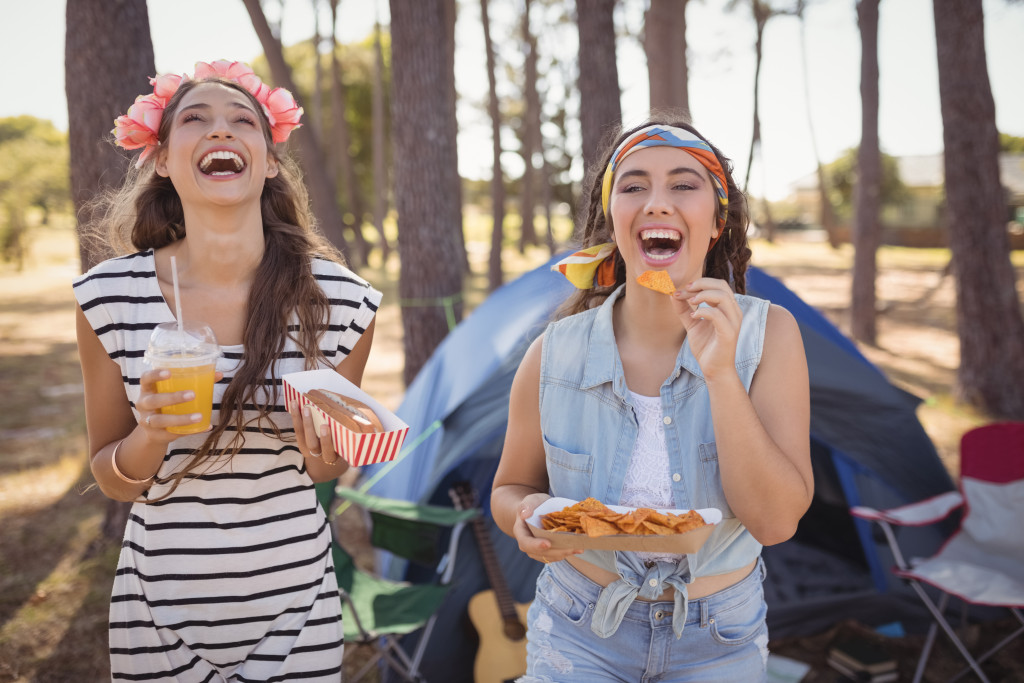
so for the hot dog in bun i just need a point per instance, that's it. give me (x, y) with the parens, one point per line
(350, 413)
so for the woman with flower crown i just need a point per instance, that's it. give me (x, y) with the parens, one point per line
(695, 396)
(225, 571)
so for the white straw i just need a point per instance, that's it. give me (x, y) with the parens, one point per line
(177, 296)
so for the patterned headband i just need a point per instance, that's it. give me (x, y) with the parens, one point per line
(670, 136)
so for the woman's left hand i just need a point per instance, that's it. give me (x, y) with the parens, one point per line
(712, 318)
(311, 443)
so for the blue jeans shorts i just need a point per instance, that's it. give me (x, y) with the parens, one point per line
(725, 638)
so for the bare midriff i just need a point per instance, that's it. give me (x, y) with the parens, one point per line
(701, 587)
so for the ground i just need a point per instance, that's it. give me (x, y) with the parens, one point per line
(56, 569)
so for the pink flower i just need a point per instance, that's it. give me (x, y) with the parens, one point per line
(283, 112)
(138, 128)
(255, 86)
(222, 68)
(165, 86)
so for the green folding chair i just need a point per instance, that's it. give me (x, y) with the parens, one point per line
(378, 611)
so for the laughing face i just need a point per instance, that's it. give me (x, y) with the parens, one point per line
(216, 151)
(663, 208)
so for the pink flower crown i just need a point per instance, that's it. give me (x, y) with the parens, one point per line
(138, 128)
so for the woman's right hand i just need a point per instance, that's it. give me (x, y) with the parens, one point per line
(538, 548)
(154, 423)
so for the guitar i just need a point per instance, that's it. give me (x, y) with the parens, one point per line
(497, 618)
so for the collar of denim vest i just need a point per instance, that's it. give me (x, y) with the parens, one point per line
(603, 363)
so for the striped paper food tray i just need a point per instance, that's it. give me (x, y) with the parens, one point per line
(357, 449)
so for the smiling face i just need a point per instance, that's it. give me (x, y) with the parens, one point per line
(663, 208)
(216, 150)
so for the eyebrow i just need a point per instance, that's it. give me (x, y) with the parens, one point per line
(203, 105)
(682, 170)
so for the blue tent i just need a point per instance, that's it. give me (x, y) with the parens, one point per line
(868, 447)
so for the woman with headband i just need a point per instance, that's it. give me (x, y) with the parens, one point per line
(694, 399)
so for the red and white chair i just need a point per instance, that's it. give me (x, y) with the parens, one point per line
(982, 563)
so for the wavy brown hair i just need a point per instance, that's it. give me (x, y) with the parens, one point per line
(146, 213)
(726, 260)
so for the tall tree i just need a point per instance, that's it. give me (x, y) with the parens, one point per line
(380, 174)
(600, 109)
(665, 47)
(989, 322)
(322, 197)
(494, 274)
(531, 132)
(827, 214)
(867, 194)
(108, 59)
(426, 178)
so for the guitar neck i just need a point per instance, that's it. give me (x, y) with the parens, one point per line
(506, 603)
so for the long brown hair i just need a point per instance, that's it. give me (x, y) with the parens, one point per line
(146, 213)
(726, 260)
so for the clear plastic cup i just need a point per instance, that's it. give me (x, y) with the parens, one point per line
(191, 357)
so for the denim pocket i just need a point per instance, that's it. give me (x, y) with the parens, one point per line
(742, 622)
(711, 475)
(569, 474)
(560, 599)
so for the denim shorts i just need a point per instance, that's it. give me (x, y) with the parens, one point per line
(725, 638)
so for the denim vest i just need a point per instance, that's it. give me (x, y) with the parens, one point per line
(589, 427)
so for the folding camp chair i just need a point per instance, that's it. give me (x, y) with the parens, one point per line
(378, 611)
(983, 561)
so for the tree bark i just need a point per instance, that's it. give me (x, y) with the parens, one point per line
(494, 274)
(531, 138)
(867, 191)
(322, 197)
(665, 48)
(380, 173)
(989, 321)
(108, 59)
(454, 179)
(600, 109)
(426, 178)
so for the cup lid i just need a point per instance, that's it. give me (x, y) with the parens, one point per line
(194, 340)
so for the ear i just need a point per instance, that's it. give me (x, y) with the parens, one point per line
(272, 167)
(160, 164)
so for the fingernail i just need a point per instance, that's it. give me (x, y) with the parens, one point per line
(189, 395)
(195, 417)
(323, 430)
(164, 374)
(305, 411)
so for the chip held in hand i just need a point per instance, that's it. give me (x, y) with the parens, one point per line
(590, 524)
(658, 280)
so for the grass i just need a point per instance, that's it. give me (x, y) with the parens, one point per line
(56, 568)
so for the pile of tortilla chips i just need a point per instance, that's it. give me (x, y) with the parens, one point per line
(594, 518)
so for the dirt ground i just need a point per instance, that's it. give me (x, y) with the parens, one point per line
(55, 571)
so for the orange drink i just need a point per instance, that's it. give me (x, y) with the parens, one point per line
(189, 352)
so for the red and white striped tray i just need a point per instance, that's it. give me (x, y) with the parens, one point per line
(357, 449)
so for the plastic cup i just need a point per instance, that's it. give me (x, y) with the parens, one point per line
(190, 354)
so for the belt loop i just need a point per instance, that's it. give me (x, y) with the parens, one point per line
(703, 612)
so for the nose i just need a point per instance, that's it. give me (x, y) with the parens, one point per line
(658, 202)
(220, 130)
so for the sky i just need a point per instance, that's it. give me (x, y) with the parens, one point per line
(721, 65)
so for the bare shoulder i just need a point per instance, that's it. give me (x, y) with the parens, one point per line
(782, 339)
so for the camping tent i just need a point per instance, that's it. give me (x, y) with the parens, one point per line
(867, 447)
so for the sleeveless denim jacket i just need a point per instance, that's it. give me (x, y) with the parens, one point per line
(589, 427)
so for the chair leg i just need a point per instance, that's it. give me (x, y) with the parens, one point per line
(991, 651)
(929, 641)
(948, 630)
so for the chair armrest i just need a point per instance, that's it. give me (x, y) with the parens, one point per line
(923, 512)
(404, 509)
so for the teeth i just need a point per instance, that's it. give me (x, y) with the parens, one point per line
(224, 155)
(656, 234)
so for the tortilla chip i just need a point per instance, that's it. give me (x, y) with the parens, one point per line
(595, 526)
(658, 280)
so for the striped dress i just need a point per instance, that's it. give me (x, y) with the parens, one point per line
(230, 578)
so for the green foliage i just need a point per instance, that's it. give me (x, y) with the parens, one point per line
(1012, 144)
(841, 177)
(34, 174)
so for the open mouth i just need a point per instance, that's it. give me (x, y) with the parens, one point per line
(221, 163)
(659, 244)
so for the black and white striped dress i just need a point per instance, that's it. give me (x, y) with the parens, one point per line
(230, 578)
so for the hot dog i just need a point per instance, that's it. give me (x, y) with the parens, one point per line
(352, 414)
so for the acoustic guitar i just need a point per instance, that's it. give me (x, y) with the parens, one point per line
(497, 618)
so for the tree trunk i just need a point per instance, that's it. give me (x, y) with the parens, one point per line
(665, 47)
(108, 59)
(494, 274)
(322, 197)
(454, 179)
(343, 159)
(867, 191)
(316, 116)
(380, 173)
(531, 133)
(426, 178)
(989, 322)
(600, 109)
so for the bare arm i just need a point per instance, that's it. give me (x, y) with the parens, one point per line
(763, 440)
(351, 368)
(521, 481)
